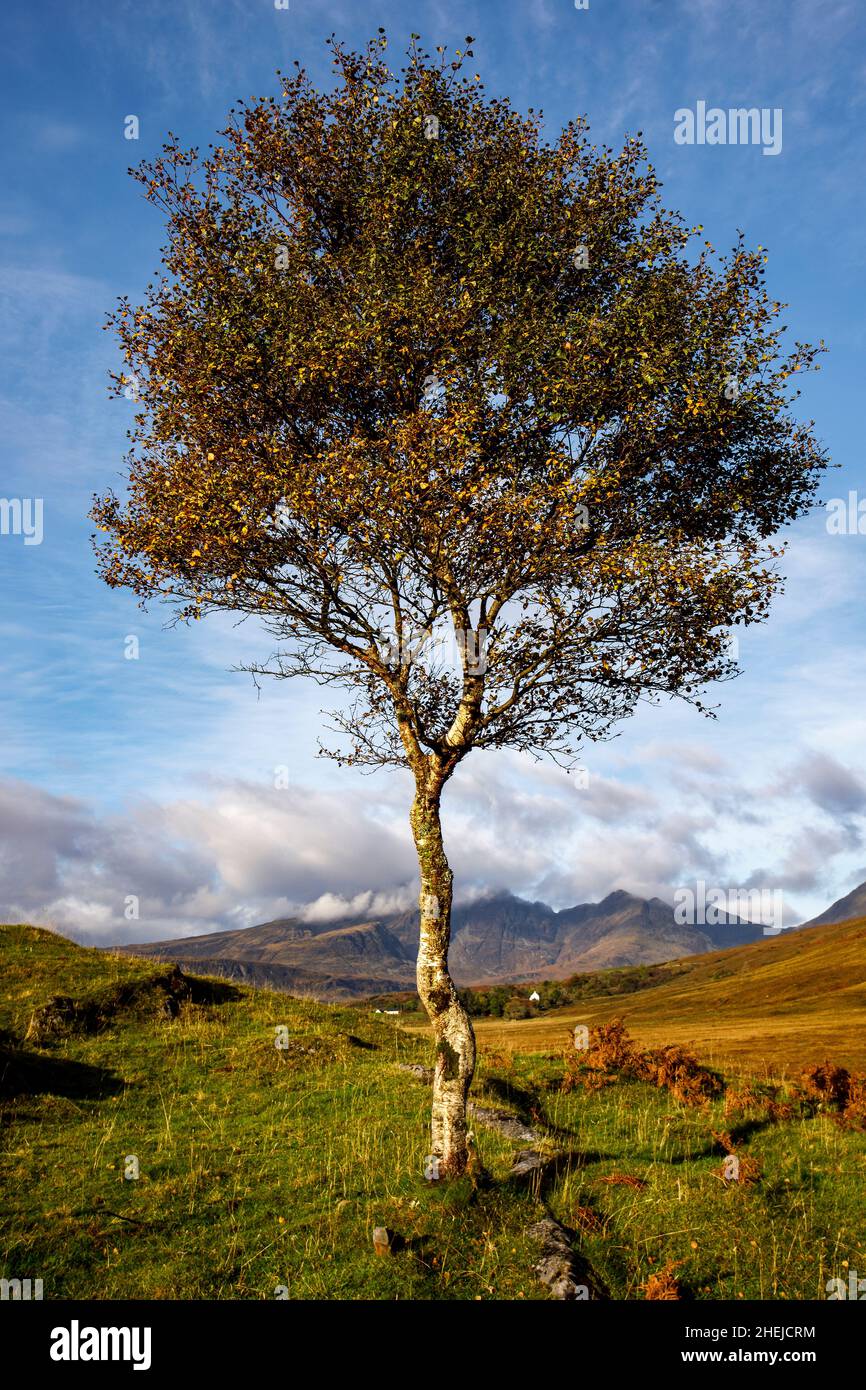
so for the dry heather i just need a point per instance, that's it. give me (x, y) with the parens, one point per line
(746, 1171)
(764, 1102)
(835, 1089)
(612, 1055)
(663, 1284)
(585, 1220)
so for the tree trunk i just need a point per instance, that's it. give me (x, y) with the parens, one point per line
(452, 1027)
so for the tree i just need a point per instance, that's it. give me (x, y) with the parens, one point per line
(412, 373)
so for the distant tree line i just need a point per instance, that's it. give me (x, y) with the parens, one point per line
(511, 1001)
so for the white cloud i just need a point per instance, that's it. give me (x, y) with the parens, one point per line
(236, 852)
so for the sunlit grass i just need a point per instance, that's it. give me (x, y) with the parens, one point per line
(263, 1169)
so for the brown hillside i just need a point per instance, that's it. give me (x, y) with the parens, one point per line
(776, 1005)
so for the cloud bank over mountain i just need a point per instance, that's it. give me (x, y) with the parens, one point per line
(237, 852)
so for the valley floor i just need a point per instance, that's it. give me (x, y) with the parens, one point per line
(770, 1009)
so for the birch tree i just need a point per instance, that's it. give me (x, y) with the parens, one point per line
(413, 371)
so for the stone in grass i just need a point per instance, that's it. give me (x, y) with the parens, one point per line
(381, 1240)
(527, 1163)
(556, 1267)
(506, 1124)
(420, 1073)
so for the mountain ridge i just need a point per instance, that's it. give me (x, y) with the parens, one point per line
(844, 909)
(499, 938)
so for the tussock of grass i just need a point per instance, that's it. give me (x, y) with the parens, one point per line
(159, 994)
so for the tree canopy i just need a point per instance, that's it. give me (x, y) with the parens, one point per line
(412, 368)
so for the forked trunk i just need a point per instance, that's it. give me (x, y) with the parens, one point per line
(452, 1027)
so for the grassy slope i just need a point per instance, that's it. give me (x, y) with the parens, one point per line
(775, 1006)
(261, 1168)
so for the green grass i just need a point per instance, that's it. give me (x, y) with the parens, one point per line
(263, 1168)
(782, 1238)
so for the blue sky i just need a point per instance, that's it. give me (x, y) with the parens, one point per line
(154, 778)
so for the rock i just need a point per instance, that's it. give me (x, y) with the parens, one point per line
(527, 1162)
(424, 1074)
(506, 1124)
(556, 1268)
(381, 1240)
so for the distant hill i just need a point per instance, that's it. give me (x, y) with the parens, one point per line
(780, 1003)
(844, 910)
(498, 939)
(334, 962)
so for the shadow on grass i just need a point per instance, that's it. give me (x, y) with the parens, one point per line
(713, 1148)
(354, 1041)
(211, 991)
(539, 1180)
(418, 1246)
(743, 1131)
(25, 1073)
(528, 1106)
